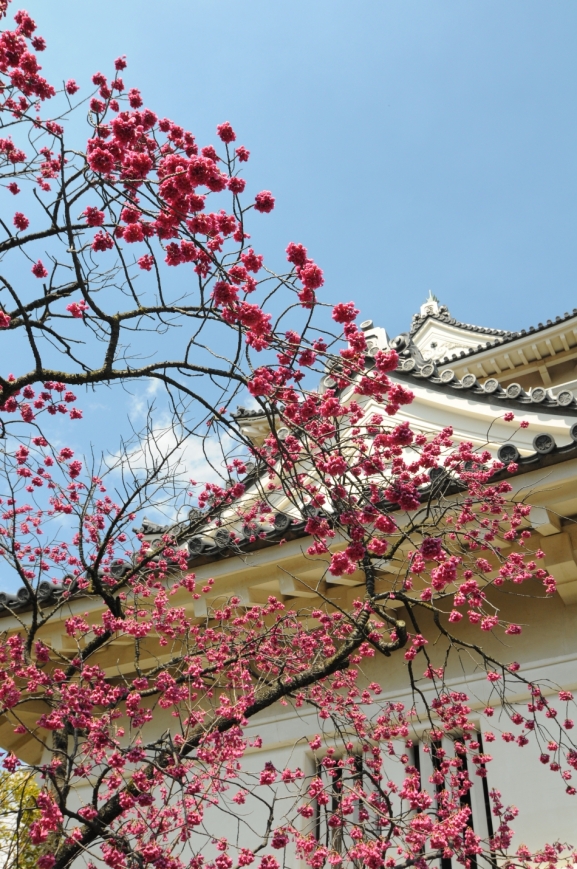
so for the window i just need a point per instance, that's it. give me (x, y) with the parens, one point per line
(428, 759)
(343, 778)
(340, 779)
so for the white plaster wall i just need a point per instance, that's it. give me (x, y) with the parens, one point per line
(547, 652)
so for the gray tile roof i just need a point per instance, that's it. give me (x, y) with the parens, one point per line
(491, 392)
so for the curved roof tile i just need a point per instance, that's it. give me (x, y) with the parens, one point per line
(491, 391)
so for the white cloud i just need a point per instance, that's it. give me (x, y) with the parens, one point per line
(141, 399)
(180, 457)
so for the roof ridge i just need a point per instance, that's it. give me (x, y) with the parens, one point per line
(444, 316)
(506, 337)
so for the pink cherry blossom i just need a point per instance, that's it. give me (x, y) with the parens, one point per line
(20, 221)
(39, 270)
(77, 309)
(226, 133)
(264, 201)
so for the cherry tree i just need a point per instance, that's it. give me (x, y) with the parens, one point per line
(116, 270)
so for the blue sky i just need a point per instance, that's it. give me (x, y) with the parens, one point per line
(411, 145)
